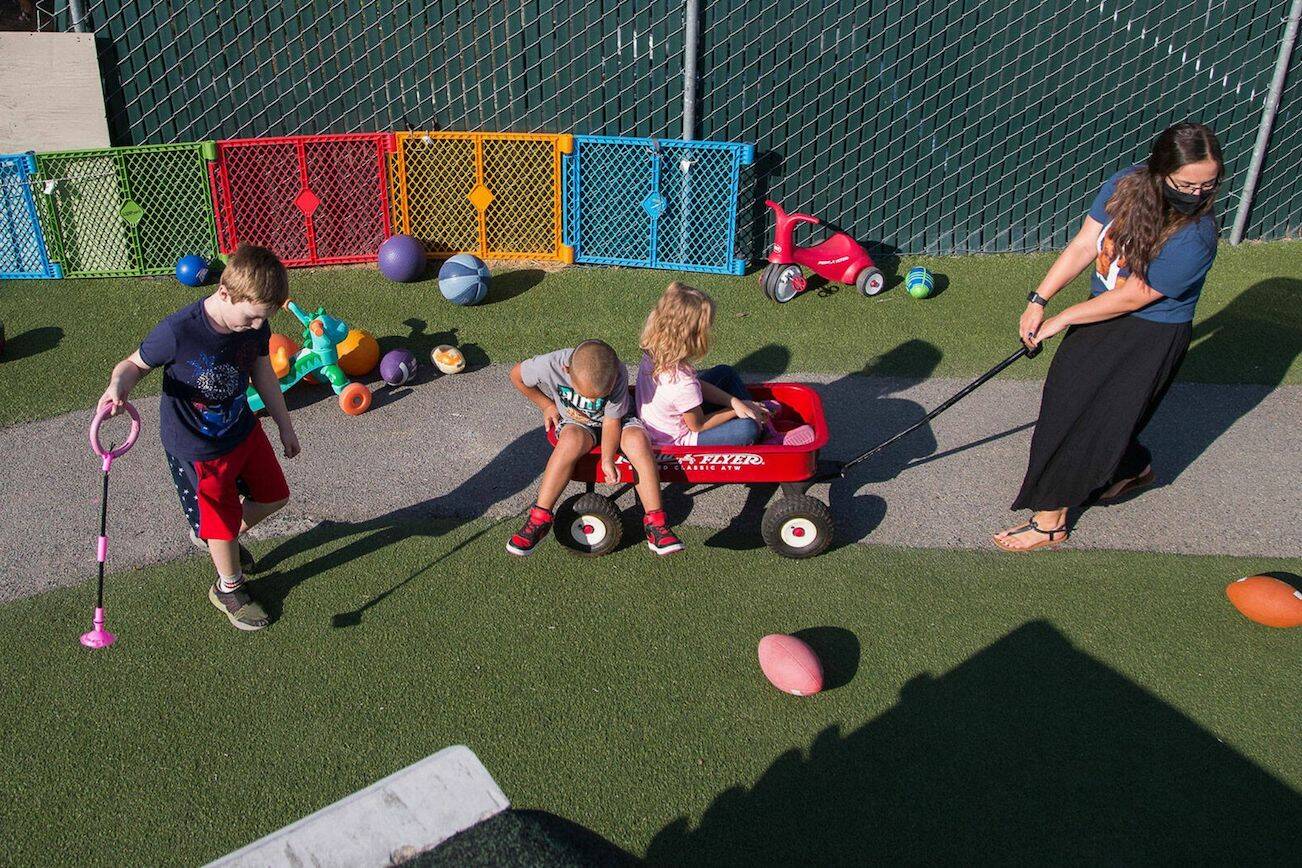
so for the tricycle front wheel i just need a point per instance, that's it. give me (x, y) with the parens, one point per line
(782, 282)
(589, 524)
(798, 527)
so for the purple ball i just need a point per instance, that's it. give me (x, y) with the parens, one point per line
(402, 259)
(397, 367)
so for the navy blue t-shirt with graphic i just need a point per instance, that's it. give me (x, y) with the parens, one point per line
(205, 413)
(1177, 272)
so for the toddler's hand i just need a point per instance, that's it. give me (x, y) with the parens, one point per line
(608, 471)
(750, 410)
(551, 417)
(289, 440)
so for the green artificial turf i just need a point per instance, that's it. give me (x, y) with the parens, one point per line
(64, 336)
(1079, 706)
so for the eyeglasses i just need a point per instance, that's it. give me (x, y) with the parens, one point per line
(1189, 187)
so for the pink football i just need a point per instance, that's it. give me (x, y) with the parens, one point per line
(790, 665)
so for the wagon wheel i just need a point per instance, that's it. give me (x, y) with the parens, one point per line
(589, 524)
(799, 526)
(784, 283)
(870, 281)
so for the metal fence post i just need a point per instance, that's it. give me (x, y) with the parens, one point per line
(77, 9)
(1267, 120)
(691, 29)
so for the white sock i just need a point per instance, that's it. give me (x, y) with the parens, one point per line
(230, 584)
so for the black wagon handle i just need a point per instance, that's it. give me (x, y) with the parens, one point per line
(971, 387)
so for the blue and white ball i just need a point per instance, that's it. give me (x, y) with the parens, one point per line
(463, 279)
(397, 367)
(919, 282)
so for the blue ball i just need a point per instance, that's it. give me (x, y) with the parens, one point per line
(919, 282)
(192, 270)
(463, 279)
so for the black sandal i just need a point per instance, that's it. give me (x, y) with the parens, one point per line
(1050, 541)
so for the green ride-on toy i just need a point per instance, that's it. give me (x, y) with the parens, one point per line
(319, 356)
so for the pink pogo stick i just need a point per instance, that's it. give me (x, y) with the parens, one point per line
(98, 637)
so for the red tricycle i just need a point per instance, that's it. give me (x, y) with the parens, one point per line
(838, 258)
(796, 525)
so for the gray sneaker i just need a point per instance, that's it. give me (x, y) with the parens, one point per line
(247, 562)
(244, 612)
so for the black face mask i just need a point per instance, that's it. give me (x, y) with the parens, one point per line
(1185, 203)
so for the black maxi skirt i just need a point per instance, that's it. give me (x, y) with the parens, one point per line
(1105, 382)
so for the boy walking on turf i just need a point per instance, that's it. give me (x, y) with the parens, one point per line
(209, 351)
(583, 393)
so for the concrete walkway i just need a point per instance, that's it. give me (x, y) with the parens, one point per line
(1230, 458)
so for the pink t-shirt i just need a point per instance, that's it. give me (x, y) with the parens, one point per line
(662, 401)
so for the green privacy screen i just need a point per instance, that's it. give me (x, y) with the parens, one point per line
(927, 125)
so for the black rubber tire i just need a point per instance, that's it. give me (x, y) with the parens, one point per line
(797, 527)
(866, 277)
(599, 515)
(766, 280)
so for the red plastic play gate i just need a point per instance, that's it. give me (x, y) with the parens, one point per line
(313, 200)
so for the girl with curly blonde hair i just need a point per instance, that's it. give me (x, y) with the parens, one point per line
(683, 407)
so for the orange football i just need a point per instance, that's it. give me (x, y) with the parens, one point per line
(1267, 600)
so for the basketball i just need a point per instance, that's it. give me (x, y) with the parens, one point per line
(463, 279)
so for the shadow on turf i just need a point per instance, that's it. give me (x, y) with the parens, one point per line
(508, 284)
(1029, 752)
(32, 342)
(509, 472)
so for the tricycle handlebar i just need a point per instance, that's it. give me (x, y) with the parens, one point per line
(796, 217)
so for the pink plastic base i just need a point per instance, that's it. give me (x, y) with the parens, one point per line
(98, 637)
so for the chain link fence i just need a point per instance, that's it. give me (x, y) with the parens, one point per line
(939, 126)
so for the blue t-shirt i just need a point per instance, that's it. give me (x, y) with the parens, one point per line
(204, 413)
(1178, 270)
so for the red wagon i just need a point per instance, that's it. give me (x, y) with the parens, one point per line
(796, 525)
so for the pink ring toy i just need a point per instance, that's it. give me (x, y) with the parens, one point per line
(103, 414)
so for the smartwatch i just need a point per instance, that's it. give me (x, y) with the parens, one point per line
(1036, 298)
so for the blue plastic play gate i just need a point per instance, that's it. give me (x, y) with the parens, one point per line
(22, 245)
(654, 203)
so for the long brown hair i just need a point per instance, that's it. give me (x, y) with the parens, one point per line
(1142, 220)
(677, 331)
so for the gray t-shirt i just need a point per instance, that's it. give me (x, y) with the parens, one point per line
(547, 372)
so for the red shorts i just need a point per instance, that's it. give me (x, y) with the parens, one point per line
(210, 490)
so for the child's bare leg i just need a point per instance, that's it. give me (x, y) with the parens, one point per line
(636, 447)
(255, 512)
(225, 556)
(571, 444)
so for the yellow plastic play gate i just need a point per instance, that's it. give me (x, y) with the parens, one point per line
(494, 194)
